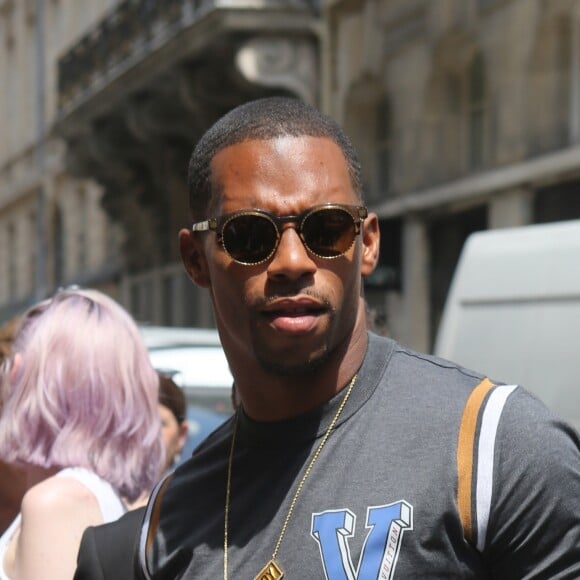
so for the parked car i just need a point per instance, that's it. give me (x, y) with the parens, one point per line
(195, 360)
(513, 311)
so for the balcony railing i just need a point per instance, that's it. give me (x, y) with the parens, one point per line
(135, 28)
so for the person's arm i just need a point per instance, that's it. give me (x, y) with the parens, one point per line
(55, 514)
(534, 524)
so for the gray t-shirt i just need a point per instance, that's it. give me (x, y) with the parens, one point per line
(382, 498)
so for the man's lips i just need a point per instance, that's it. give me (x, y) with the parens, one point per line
(293, 316)
(293, 308)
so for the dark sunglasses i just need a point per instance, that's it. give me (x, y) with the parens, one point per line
(252, 236)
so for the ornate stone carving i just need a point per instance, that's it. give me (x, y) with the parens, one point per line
(287, 63)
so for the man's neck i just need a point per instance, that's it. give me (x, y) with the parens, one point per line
(269, 396)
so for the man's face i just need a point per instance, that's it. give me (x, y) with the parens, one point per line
(294, 309)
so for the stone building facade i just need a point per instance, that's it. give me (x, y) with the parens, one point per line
(466, 114)
(53, 230)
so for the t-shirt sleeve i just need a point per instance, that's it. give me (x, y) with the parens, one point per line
(534, 519)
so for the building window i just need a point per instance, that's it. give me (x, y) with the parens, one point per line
(58, 253)
(485, 4)
(82, 232)
(141, 298)
(368, 122)
(450, 158)
(465, 127)
(168, 299)
(383, 146)
(476, 111)
(12, 265)
(33, 250)
(387, 274)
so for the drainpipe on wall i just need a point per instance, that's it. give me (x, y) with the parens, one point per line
(40, 289)
(327, 44)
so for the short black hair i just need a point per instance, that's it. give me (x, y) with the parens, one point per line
(265, 119)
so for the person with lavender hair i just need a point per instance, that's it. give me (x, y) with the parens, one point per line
(81, 417)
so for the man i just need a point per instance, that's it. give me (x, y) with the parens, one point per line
(349, 456)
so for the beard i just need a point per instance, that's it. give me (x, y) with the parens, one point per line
(289, 363)
(296, 369)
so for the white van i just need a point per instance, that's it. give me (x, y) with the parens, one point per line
(513, 311)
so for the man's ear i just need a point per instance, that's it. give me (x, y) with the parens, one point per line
(371, 239)
(193, 257)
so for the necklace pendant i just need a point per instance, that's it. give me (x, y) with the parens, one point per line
(271, 571)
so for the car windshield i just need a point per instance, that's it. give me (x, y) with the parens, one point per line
(195, 360)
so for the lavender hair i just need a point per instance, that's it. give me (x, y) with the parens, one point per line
(83, 393)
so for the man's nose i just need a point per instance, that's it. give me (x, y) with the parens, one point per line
(291, 259)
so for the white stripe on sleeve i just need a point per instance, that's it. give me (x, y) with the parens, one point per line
(485, 455)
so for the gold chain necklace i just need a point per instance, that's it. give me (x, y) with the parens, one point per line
(272, 570)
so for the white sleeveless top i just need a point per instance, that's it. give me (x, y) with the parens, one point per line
(112, 508)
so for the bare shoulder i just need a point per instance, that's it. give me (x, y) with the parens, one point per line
(61, 495)
(55, 514)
